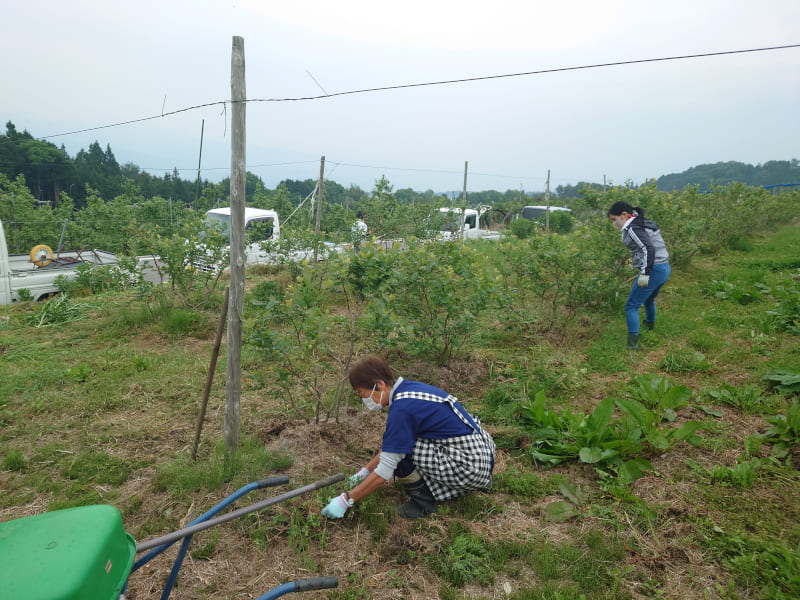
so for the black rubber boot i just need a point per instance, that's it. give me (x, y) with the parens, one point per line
(633, 341)
(650, 325)
(421, 502)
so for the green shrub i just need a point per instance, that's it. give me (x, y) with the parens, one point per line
(523, 228)
(464, 559)
(784, 432)
(93, 279)
(185, 322)
(56, 311)
(743, 475)
(746, 398)
(14, 460)
(560, 221)
(784, 379)
(685, 361)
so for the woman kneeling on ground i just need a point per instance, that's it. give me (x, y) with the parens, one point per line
(434, 448)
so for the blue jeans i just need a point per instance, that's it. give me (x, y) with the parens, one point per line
(647, 296)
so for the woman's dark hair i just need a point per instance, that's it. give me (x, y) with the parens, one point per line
(369, 371)
(620, 207)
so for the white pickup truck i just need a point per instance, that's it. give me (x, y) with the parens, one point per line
(260, 226)
(467, 221)
(263, 225)
(36, 272)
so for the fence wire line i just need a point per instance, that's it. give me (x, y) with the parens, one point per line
(224, 103)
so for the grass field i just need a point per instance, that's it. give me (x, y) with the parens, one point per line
(102, 405)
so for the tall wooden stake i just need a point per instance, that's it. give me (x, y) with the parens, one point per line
(210, 377)
(463, 202)
(547, 202)
(320, 191)
(199, 159)
(233, 382)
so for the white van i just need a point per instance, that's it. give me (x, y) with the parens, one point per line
(534, 212)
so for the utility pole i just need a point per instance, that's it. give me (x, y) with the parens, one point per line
(199, 159)
(547, 202)
(320, 185)
(233, 381)
(463, 203)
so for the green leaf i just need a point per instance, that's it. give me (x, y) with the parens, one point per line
(685, 431)
(560, 511)
(601, 417)
(676, 397)
(709, 411)
(633, 469)
(784, 379)
(591, 455)
(572, 492)
(635, 410)
(658, 441)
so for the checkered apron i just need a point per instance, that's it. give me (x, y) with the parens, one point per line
(457, 465)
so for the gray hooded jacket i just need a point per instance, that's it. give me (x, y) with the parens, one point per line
(643, 239)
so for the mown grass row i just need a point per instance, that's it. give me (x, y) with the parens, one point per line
(90, 405)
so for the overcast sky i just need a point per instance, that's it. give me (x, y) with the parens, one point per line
(83, 64)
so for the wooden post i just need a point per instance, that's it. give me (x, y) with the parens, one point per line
(233, 382)
(463, 203)
(547, 203)
(210, 377)
(199, 159)
(320, 188)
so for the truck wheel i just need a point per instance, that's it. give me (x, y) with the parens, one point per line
(41, 255)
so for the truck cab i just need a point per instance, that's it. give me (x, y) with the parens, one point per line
(259, 225)
(466, 221)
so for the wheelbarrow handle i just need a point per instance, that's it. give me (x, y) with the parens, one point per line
(301, 585)
(272, 481)
(192, 529)
(316, 583)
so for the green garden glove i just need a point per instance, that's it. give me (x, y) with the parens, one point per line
(354, 480)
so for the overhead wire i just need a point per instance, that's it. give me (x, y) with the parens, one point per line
(327, 95)
(427, 84)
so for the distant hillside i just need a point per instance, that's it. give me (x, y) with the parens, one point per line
(770, 173)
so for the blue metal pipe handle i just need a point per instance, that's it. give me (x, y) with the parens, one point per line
(301, 585)
(192, 529)
(255, 485)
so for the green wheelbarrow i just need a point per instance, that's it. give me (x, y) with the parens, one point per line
(84, 553)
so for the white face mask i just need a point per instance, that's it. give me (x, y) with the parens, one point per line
(370, 403)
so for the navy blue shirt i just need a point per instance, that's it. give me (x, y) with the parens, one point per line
(413, 418)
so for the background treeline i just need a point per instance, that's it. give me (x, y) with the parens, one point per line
(773, 172)
(53, 176)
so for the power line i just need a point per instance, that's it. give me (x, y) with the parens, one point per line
(526, 73)
(431, 83)
(441, 171)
